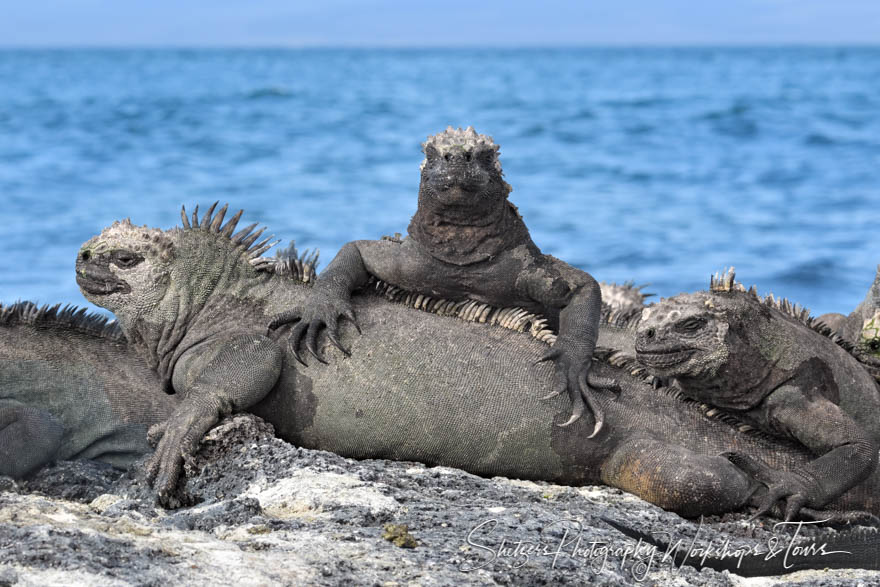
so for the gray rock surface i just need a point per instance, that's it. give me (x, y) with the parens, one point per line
(266, 513)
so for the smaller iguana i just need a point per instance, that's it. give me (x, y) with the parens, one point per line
(762, 361)
(69, 389)
(861, 329)
(466, 241)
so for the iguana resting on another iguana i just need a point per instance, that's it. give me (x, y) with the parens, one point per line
(70, 389)
(418, 385)
(466, 241)
(760, 360)
(861, 329)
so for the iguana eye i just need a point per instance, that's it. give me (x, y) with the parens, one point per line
(874, 345)
(692, 324)
(126, 259)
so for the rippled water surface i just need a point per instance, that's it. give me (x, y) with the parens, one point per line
(660, 166)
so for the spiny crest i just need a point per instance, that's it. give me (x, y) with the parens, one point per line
(470, 311)
(625, 318)
(725, 282)
(291, 264)
(213, 223)
(466, 139)
(66, 317)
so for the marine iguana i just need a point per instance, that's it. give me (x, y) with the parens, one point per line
(466, 241)
(70, 389)
(861, 329)
(418, 385)
(760, 360)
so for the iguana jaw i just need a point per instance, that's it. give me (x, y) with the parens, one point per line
(98, 281)
(664, 359)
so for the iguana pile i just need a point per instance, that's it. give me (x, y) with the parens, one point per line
(466, 241)
(418, 385)
(861, 329)
(761, 360)
(70, 389)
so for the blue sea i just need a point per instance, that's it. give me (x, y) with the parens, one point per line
(654, 165)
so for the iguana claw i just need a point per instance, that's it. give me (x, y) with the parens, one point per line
(293, 341)
(284, 318)
(797, 490)
(577, 410)
(312, 339)
(324, 312)
(581, 392)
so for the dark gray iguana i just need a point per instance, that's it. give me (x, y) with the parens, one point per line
(760, 360)
(861, 329)
(466, 241)
(70, 389)
(418, 385)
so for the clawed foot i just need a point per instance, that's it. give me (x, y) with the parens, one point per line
(795, 490)
(176, 440)
(573, 375)
(324, 313)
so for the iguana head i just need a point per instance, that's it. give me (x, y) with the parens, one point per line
(153, 279)
(125, 262)
(684, 336)
(461, 170)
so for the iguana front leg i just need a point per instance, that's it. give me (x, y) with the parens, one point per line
(848, 454)
(330, 298)
(580, 302)
(215, 378)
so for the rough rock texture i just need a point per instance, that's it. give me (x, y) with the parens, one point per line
(271, 513)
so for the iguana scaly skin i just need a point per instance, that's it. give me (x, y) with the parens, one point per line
(760, 359)
(419, 384)
(466, 241)
(861, 329)
(70, 389)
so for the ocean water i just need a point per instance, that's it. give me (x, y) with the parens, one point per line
(654, 165)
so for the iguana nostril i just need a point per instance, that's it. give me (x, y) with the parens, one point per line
(85, 255)
(650, 333)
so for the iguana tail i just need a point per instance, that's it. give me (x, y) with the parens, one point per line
(855, 549)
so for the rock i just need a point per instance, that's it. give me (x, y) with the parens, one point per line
(269, 513)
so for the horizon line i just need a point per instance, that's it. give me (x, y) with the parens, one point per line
(415, 47)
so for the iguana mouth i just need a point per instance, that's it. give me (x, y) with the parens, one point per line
(97, 282)
(663, 358)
